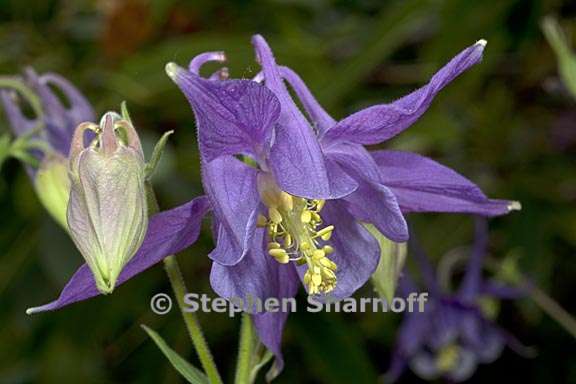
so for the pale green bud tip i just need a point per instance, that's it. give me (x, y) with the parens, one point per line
(172, 70)
(515, 206)
(53, 186)
(107, 210)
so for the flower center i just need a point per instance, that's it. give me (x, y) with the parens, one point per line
(295, 229)
(447, 358)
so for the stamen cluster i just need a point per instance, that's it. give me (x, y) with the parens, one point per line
(294, 226)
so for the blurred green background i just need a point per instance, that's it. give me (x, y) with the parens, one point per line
(508, 124)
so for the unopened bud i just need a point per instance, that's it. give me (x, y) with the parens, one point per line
(107, 211)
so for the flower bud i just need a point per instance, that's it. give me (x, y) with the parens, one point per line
(107, 211)
(53, 186)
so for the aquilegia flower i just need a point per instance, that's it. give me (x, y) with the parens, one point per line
(107, 210)
(293, 209)
(55, 128)
(453, 335)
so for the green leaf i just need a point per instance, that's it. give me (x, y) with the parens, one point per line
(566, 58)
(392, 258)
(4, 148)
(508, 270)
(265, 357)
(188, 371)
(125, 113)
(156, 155)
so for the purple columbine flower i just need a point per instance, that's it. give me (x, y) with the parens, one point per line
(293, 209)
(54, 128)
(168, 232)
(453, 334)
(58, 120)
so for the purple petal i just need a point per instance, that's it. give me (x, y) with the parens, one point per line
(381, 122)
(270, 325)
(465, 366)
(80, 109)
(371, 202)
(482, 336)
(413, 331)
(470, 286)
(19, 123)
(231, 187)
(356, 251)
(376, 204)
(257, 275)
(502, 291)
(169, 232)
(199, 60)
(296, 159)
(59, 120)
(423, 364)
(320, 118)
(426, 269)
(354, 158)
(423, 185)
(397, 366)
(232, 116)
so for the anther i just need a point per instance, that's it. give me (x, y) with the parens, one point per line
(280, 255)
(262, 221)
(273, 245)
(275, 215)
(286, 201)
(306, 216)
(325, 233)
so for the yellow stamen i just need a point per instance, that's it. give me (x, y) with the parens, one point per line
(287, 201)
(447, 357)
(275, 215)
(293, 225)
(288, 241)
(273, 245)
(306, 217)
(262, 221)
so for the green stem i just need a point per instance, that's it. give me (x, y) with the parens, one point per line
(245, 351)
(191, 321)
(190, 318)
(552, 308)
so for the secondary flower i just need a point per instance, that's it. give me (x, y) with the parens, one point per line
(292, 210)
(54, 127)
(169, 232)
(454, 334)
(107, 210)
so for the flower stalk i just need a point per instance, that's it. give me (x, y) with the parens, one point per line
(190, 319)
(553, 309)
(245, 351)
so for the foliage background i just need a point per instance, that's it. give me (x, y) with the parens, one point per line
(508, 124)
